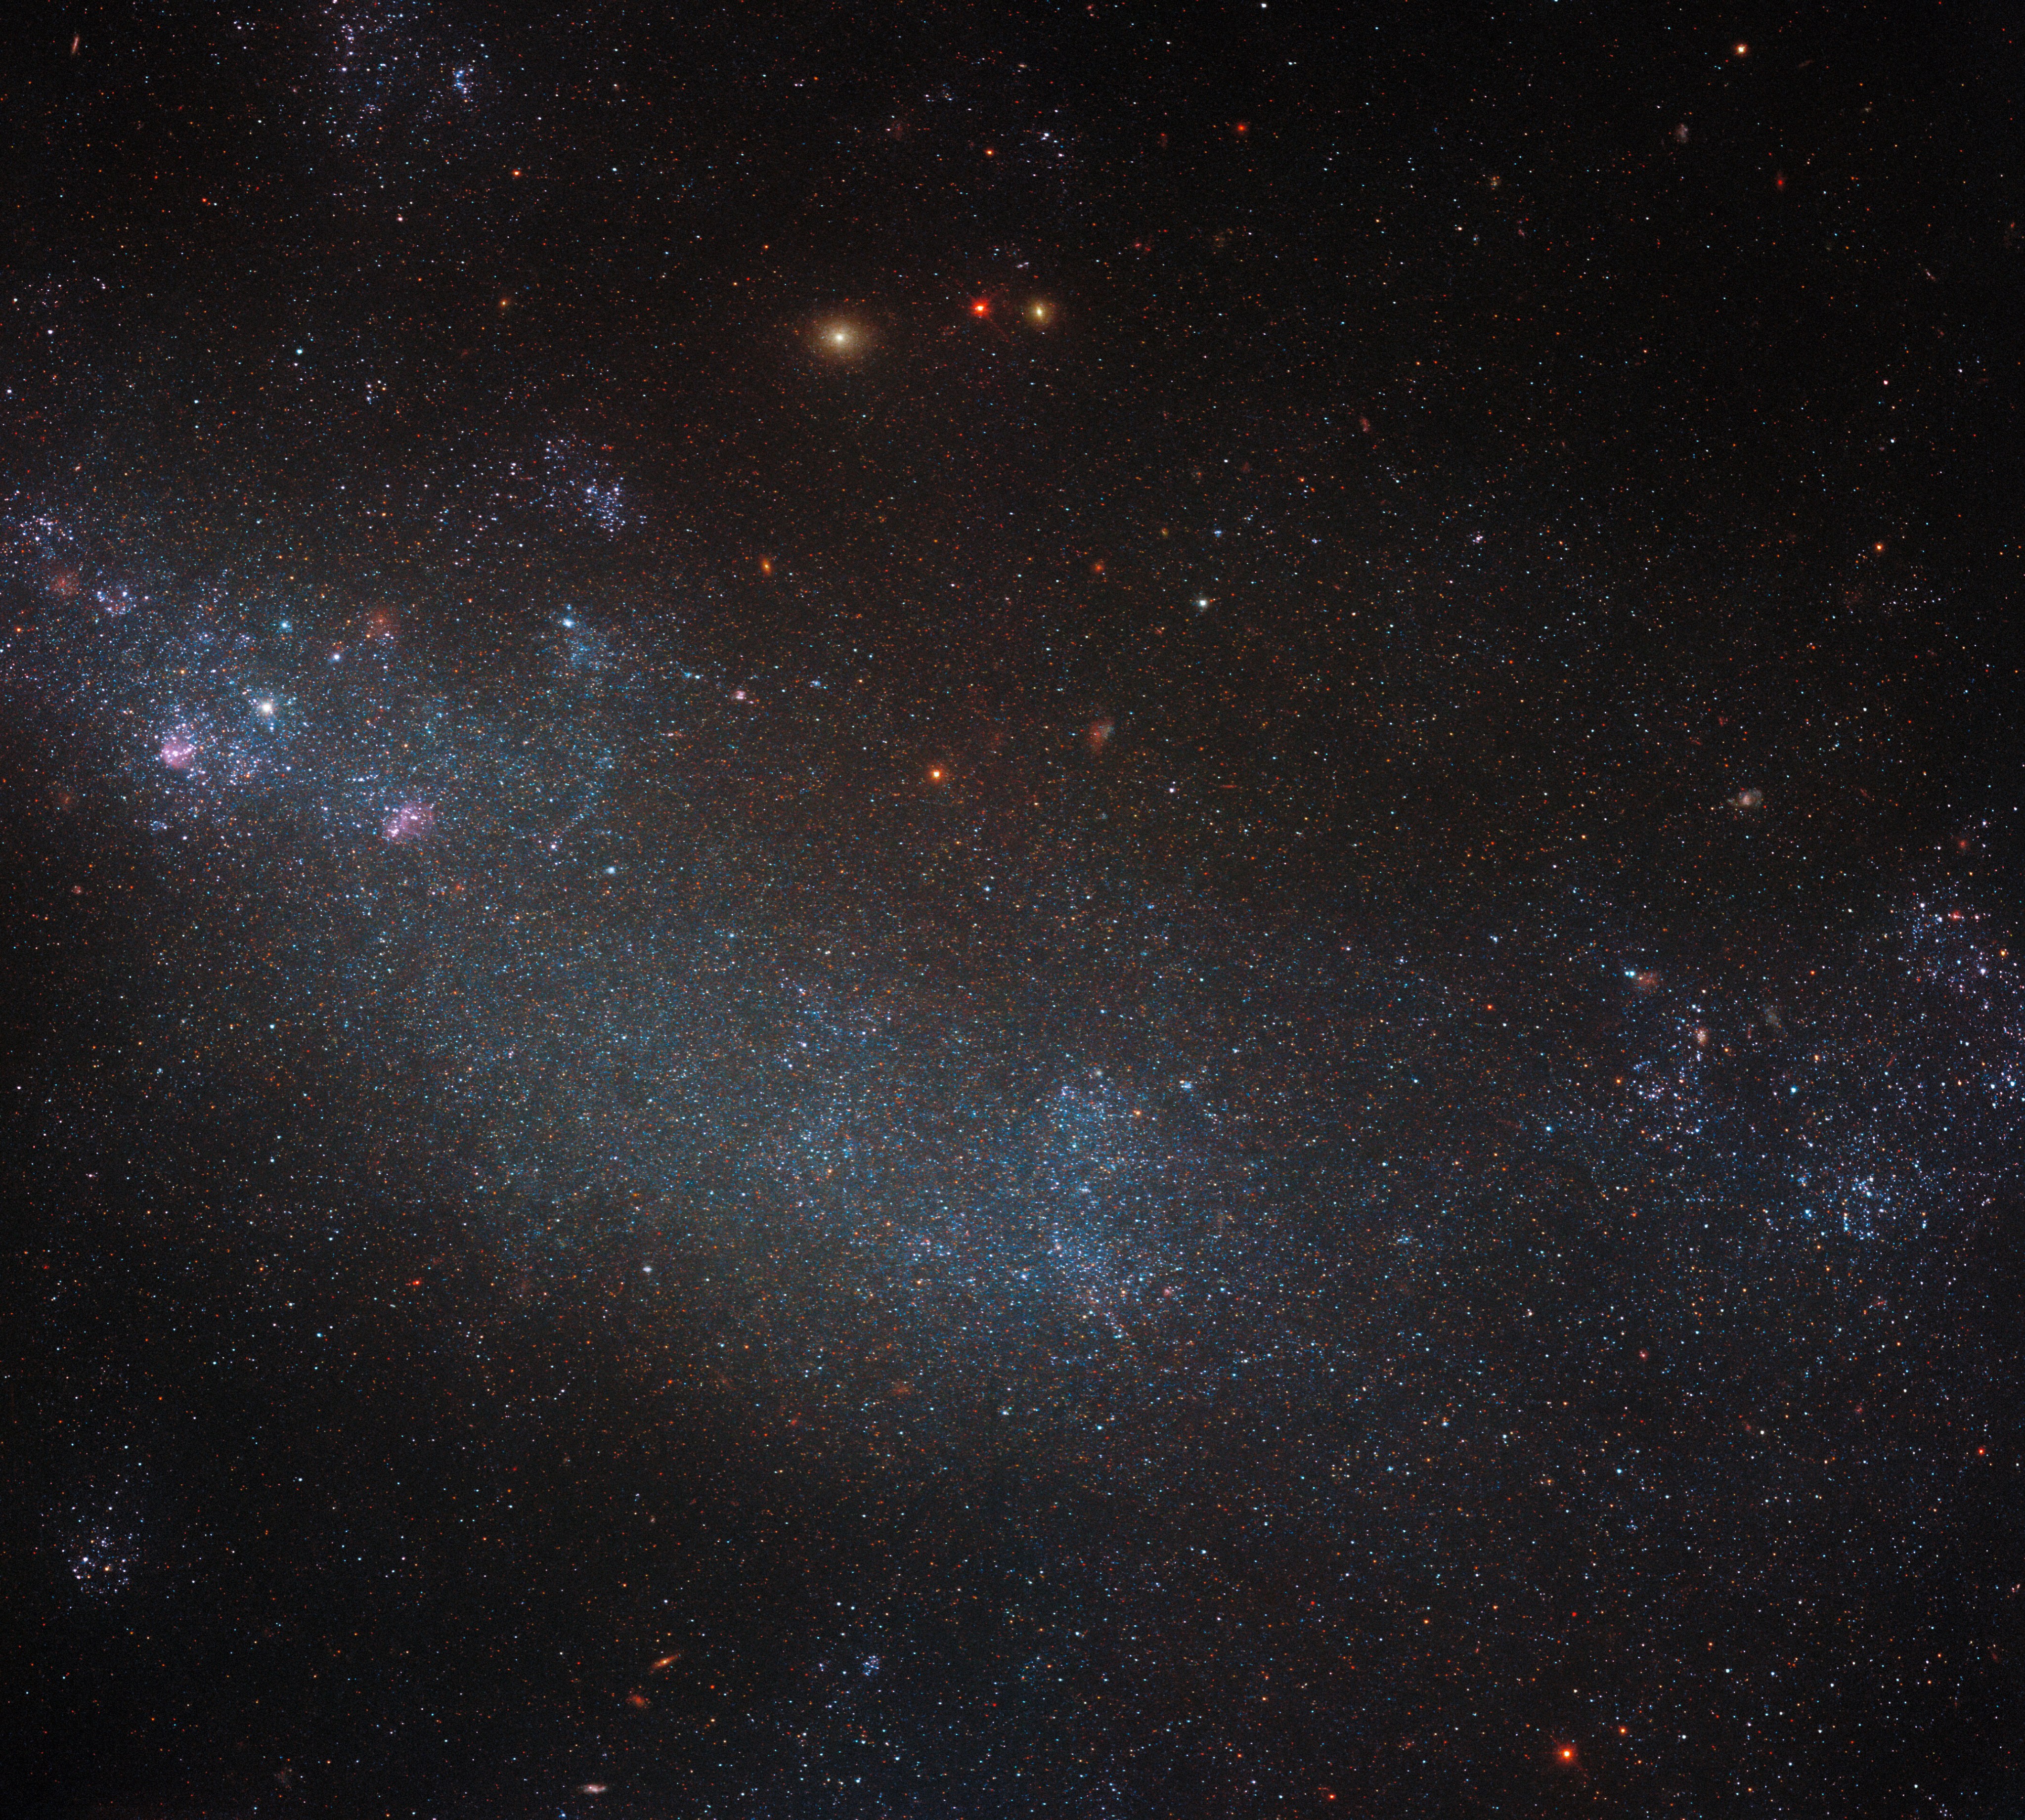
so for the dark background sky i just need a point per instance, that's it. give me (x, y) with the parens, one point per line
(1078, 910)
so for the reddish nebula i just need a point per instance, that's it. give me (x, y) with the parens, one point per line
(411, 823)
(179, 750)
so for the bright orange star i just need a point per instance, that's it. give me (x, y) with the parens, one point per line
(981, 307)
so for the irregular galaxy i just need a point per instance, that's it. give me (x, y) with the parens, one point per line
(1041, 920)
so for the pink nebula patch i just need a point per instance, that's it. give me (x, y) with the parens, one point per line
(179, 750)
(411, 823)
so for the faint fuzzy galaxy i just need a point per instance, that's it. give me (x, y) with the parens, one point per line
(850, 989)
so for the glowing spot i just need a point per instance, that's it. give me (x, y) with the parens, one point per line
(1743, 50)
(265, 708)
(410, 824)
(935, 774)
(1567, 1753)
(982, 306)
(765, 565)
(1038, 310)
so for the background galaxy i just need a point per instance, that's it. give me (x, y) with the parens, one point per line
(1074, 910)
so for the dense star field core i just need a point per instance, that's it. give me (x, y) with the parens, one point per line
(1079, 911)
